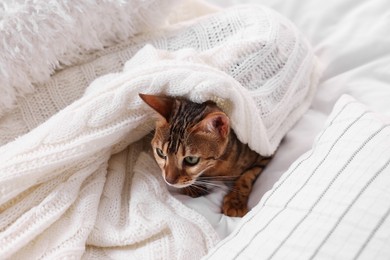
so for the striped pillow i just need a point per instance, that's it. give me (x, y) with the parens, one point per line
(333, 202)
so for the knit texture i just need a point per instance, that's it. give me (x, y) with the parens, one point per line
(76, 182)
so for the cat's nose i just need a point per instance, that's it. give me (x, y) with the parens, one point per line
(172, 173)
(171, 179)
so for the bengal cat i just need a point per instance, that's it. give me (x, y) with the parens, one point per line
(194, 146)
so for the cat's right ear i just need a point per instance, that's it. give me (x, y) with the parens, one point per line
(162, 105)
(216, 122)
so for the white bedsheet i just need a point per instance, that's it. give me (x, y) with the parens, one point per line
(351, 38)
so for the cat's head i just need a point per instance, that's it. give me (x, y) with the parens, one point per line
(189, 137)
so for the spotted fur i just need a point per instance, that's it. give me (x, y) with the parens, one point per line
(196, 149)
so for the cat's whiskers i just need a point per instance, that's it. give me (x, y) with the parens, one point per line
(217, 178)
(220, 185)
(195, 187)
(225, 179)
(214, 184)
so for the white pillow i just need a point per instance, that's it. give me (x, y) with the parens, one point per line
(333, 202)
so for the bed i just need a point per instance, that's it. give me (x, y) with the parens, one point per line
(76, 176)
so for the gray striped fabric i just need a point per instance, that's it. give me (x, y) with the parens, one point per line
(333, 202)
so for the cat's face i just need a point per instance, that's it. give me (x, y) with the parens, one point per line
(195, 155)
(189, 138)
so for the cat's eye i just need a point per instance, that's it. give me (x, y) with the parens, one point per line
(191, 160)
(160, 153)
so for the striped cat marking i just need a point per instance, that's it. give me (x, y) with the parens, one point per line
(194, 146)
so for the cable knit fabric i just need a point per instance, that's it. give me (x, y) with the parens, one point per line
(78, 180)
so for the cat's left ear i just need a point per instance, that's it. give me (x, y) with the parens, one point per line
(162, 105)
(216, 122)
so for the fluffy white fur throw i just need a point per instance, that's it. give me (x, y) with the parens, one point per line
(75, 183)
(39, 36)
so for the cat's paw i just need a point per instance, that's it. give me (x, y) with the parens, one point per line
(195, 191)
(234, 206)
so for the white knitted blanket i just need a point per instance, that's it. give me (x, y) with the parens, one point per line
(78, 180)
